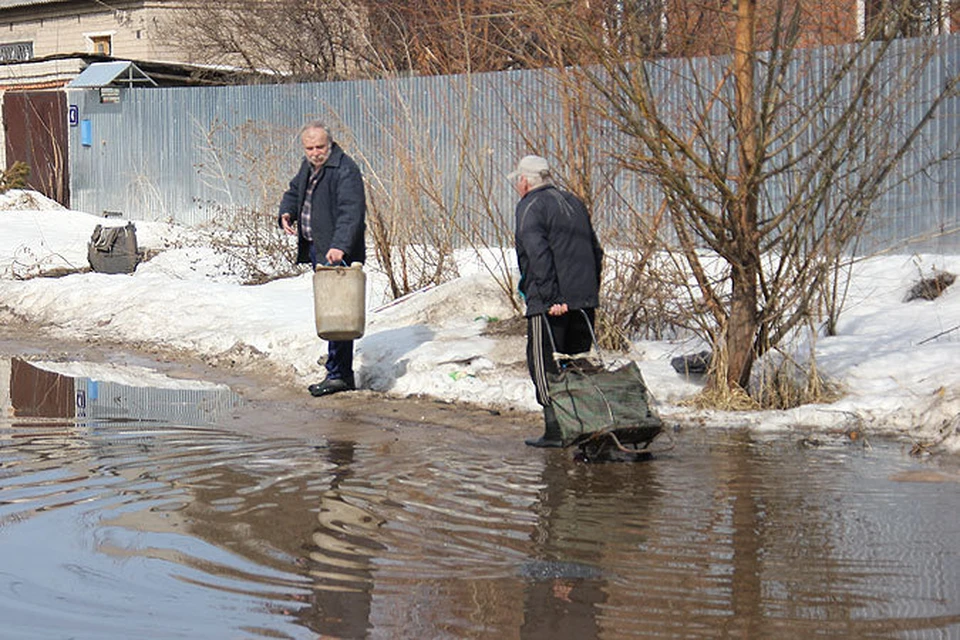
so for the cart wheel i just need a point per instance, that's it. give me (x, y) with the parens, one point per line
(604, 448)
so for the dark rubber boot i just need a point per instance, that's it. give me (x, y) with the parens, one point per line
(552, 437)
(330, 385)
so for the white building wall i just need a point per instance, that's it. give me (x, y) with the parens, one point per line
(134, 30)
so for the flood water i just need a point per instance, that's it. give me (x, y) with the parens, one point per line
(127, 512)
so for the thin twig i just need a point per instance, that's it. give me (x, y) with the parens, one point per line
(942, 333)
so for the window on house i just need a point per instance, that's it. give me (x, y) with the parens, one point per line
(102, 45)
(16, 51)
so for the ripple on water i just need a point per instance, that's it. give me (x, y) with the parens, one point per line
(108, 526)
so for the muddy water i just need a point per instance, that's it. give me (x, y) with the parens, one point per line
(131, 511)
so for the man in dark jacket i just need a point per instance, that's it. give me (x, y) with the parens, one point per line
(560, 260)
(327, 203)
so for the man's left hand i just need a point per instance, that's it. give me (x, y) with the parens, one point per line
(558, 309)
(334, 256)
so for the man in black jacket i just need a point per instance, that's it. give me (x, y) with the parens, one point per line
(327, 203)
(560, 260)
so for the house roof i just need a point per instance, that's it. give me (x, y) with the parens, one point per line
(105, 74)
(58, 70)
(11, 4)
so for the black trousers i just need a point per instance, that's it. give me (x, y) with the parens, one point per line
(571, 334)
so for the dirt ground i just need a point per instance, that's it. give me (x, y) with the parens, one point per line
(271, 407)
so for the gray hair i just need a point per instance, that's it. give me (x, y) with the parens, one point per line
(317, 124)
(538, 179)
(535, 169)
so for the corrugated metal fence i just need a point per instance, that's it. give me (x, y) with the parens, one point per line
(439, 147)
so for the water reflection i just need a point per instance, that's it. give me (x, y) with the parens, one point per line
(129, 523)
(32, 392)
(98, 392)
(566, 586)
(340, 556)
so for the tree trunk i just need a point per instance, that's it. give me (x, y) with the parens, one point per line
(742, 326)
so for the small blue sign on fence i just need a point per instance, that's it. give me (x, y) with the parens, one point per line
(86, 133)
(73, 115)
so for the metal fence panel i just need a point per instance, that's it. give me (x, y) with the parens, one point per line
(183, 154)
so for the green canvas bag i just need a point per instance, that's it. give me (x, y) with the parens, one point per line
(591, 400)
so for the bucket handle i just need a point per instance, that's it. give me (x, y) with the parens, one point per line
(343, 263)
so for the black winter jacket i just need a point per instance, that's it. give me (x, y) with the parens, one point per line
(339, 207)
(558, 251)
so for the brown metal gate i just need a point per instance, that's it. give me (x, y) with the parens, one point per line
(35, 124)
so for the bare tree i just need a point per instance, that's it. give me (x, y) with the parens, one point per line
(321, 40)
(298, 41)
(431, 37)
(771, 161)
(243, 220)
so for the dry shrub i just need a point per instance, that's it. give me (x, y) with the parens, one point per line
(641, 299)
(778, 381)
(781, 383)
(15, 176)
(421, 213)
(652, 298)
(931, 288)
(252, 246)
(722, 397)
(408, 220)
(411, 250)
(244, 225)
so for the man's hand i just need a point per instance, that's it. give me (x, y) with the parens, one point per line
(334, 256)
(287, 227)
(558, 309)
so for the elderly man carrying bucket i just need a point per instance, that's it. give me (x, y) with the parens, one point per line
(325, 207)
